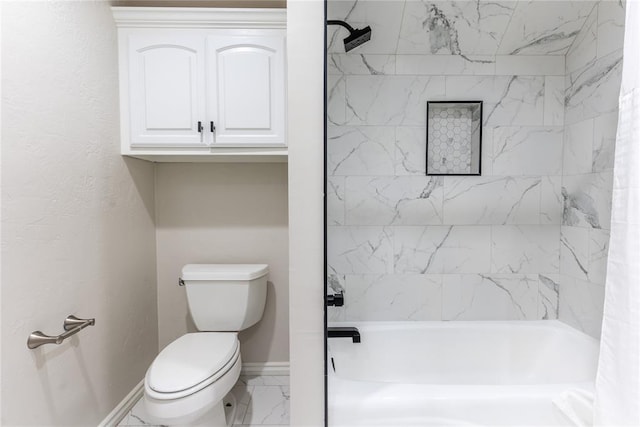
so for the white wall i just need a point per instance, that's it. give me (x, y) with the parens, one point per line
(224, 213)
(305, 44)
(77, 219)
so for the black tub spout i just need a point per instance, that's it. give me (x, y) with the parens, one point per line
(344, 332)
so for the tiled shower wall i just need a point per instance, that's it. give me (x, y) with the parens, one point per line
(404, 246)
(593, 75)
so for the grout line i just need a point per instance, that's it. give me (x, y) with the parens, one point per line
(395, 65)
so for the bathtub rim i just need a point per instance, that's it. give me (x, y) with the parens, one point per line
(460, 324)
(498, 325)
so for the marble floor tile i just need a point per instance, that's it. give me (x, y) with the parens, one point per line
(260, 400)
(269, 405)
(242, 393)
(138, 417)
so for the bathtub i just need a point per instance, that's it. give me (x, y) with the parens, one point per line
(457, 373)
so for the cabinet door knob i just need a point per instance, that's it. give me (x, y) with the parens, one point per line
(213, 128)
(200, 127)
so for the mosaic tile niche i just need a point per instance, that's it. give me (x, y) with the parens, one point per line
(454, 134)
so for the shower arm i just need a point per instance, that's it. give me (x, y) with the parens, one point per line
(341, 23)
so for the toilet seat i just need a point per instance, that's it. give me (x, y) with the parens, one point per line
(191, 363)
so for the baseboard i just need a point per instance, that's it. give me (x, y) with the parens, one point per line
(265, 368)
(123, 408)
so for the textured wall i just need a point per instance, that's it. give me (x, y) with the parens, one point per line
(405, 246)
(593, 76)
(77, 219)
(224, 213)
(202, 3)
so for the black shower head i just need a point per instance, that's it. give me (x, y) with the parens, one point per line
(356, 36)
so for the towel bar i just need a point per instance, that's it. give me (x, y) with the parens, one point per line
(72, 325)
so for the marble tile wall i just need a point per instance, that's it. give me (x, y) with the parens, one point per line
(592, 80)
(404, 246)
(462, 27)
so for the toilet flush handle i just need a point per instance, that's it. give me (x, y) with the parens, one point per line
(180, 281)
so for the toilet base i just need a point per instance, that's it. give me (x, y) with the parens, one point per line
(215, 417)
(197, 409)
(222, 414)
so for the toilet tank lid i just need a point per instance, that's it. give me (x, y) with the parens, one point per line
(224, 271)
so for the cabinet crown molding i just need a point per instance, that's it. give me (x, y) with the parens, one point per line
(198, 17)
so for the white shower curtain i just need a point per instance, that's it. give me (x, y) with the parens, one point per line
(618, 381)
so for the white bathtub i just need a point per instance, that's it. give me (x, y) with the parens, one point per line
(457, 373)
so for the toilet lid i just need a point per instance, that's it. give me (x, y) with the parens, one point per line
(190, 360)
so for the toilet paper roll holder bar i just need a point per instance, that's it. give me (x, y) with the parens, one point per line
(72, 325)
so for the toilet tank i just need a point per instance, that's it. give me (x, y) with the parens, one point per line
(225, 297)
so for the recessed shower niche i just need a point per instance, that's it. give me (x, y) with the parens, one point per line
(454, 137)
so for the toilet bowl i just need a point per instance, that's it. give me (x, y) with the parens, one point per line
(186, 383)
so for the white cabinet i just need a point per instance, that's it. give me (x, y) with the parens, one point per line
(202, 84)
(246, 89)
(166, 90)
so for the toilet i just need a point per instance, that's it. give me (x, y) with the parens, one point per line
(186, 383)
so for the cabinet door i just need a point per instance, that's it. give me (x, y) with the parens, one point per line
(246, 87)
(167, 92)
